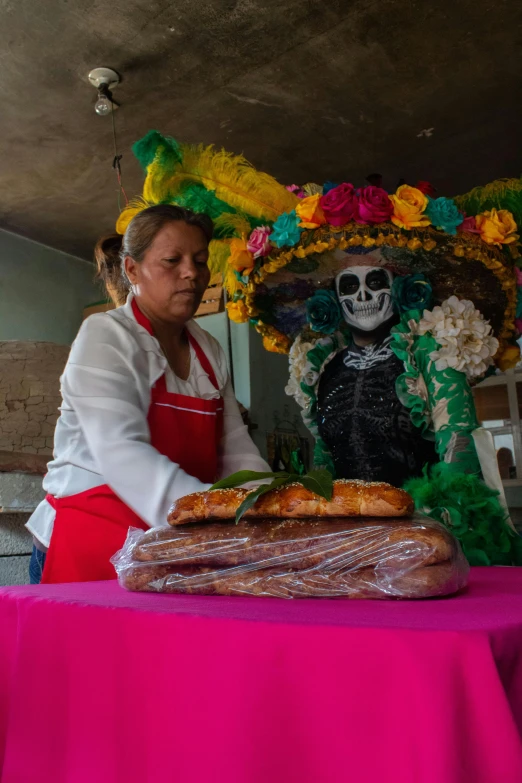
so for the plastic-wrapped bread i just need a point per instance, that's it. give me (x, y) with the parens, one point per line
(349, 499)
(400, 558)
(438, 580)
(298, 543)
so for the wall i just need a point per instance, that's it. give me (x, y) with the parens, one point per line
(238, 344)
(42, 296)
(29, 394)
(260, 378)
(270, 405)
(42, 291)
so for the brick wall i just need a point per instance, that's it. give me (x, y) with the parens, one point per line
(30, 395)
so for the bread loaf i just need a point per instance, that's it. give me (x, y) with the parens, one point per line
(423, 582)
(349, 499)
(298, 544)
(297, 558)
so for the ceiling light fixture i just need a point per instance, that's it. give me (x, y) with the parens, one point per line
(105, 80)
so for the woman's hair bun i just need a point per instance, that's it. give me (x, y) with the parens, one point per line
(107, 254)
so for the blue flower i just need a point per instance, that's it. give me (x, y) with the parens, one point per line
(444, 214)
(328, 186)
(286, 231)
(323, 311)
(412, 292)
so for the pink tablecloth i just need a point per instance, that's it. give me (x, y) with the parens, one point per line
(102, 686)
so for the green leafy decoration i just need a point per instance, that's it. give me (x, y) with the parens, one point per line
(320, 482)
(251, 498)
(244, 477)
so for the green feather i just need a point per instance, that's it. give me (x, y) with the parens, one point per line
(500, 194)
(478, 520)
(196, 197)
(146, 149)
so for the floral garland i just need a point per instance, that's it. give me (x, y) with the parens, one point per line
(409, 208)
(343, 216)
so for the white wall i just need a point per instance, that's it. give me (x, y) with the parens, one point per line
(42, 291)
(260, 378)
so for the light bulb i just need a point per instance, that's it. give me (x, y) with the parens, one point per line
(103, 106)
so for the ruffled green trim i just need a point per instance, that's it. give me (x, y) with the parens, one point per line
(410, 386)
(322, 457)
(471, 511)
(322, 353)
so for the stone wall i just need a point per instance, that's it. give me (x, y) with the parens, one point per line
(15, 549)
(30, 395)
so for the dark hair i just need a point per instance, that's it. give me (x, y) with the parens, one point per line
(110, 251)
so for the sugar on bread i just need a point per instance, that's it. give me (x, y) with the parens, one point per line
(349, 499)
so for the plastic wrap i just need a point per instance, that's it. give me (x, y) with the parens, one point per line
(298, 558)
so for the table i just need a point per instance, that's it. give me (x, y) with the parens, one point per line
(97, 684)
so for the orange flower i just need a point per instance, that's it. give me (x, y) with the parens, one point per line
(497, 227)
(510, 358)
(310, 212)
(237, 311)
(241, 259)
(408, 208)
(276, 344)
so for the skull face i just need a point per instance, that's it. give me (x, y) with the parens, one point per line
(365, 296)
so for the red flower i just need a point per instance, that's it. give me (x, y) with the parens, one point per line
(340, 204)
(469, 224)
(425, 187)
(374, 205)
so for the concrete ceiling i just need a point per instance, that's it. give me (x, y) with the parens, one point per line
(306, 89)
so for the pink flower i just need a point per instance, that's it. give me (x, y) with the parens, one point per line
(374, 205)
(518, 275)
(340, 204)
(258, 242)
(469, 224)
(297, 190)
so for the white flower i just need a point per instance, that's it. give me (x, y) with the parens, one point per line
(301, 371)
(294, 390)
(465, 337)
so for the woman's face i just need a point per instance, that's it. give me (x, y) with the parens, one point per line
(173, 275)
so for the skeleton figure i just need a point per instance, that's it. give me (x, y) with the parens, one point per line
(360, 418)
(365, 296)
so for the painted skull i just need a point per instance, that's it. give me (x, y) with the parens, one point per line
(365, 296)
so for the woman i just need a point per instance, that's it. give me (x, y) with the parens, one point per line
(148, 412)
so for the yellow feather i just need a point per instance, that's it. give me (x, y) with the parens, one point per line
(232, 284)
(230, 176)
(236, 223)
(134, 206)
(218, 259)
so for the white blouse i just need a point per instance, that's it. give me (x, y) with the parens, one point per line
(102, 435)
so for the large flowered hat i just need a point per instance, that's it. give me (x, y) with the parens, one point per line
(277, 246)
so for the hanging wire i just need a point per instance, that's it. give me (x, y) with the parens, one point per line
(116, 164)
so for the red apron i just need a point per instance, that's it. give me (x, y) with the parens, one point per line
(91, 527)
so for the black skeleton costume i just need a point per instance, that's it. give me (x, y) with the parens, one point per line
(360, 418)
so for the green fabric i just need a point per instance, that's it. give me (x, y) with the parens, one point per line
(424, 390)
(471, 511)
